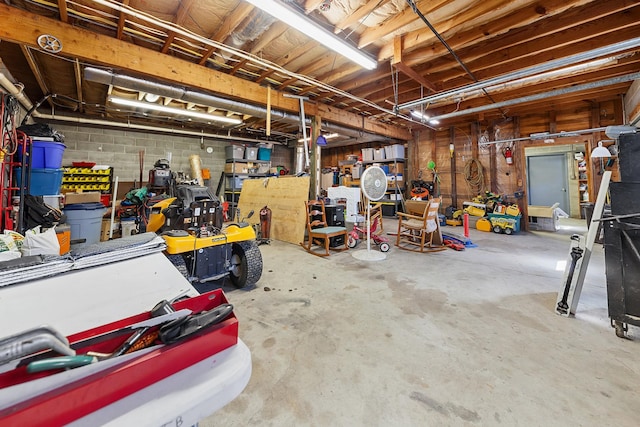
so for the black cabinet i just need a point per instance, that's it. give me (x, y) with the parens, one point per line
(335, 218)
(622, 254)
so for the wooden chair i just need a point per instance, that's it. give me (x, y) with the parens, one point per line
(418, 228)
(319, 233)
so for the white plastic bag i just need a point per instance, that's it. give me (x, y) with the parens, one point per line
(36, 243)
(10, 243)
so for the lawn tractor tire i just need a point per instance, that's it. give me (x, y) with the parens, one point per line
(246, 264)
(180, 264)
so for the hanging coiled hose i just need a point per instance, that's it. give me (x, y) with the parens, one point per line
(474, 176)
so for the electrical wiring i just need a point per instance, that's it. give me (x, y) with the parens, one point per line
(9, 112)
(474, 176)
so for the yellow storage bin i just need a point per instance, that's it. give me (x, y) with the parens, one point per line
(483, 224)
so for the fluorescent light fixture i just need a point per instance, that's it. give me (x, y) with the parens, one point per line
(424, 117)
(614, 132)
(327, 136)
(418, 115)
(309, 28)
(173, 110)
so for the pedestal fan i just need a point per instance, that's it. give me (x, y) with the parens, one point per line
(373, 184)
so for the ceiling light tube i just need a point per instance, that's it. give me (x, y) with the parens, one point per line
(418, 115)
(327, 136)
(173, 110)
(314, 31)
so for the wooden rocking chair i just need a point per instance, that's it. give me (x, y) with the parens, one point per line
(418, 228)
(319, 233)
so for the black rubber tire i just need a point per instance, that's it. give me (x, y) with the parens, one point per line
(178, 261)
(352, 242)
(497, 229)
(246, 264)
(508, 231)
(384, 247)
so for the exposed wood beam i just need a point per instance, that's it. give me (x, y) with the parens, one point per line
(275, 30)
(238, 66)
(121, 21)
(581, 39)
(184, 7)
(531, 23)
(168, 41)
(78, 80)
(288, 58)
(398, 21)
(358, 14)
(62, 9)
(230, 23)
(397, 62)
(181, 15)
(552, 29)
(33, 65)
(311, 5)
(424, 35)
(19, 27)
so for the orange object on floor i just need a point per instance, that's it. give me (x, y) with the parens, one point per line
(63, 233)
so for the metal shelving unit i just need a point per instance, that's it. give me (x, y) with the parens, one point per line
(240, 171)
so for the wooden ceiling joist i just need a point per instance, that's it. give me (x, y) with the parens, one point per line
(230, 23)
(19, 27)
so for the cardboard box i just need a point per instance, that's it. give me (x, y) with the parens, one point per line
(235, 168)
(89, 197)
(104, 230)
(543, 211)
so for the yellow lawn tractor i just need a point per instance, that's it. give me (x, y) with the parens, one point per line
(197, 242)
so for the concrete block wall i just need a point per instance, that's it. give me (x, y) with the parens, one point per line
(120, 149)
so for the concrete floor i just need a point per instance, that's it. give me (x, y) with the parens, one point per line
(436, 339)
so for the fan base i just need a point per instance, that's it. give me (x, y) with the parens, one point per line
(364, 255)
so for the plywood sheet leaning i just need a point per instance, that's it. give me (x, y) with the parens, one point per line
(285, 196)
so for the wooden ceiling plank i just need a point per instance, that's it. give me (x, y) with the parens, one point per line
(398, 21)
(276, 30)
(358, 14)
(311, 5)
(229, 24)
(558, 17)
(581, 39)
(441, 68)
(184, 7)
(62, 9)
(103, 50)
(423, 36)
